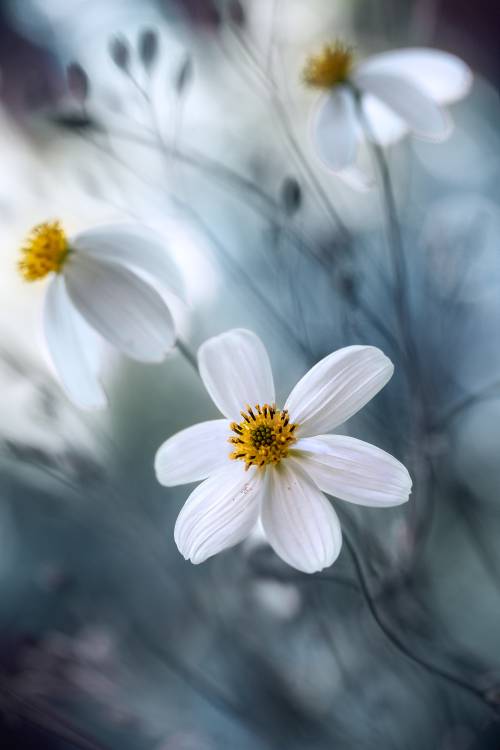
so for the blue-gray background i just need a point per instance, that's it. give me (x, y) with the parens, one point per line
(108, 638)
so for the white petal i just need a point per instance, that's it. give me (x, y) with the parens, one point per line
(123, 308)
(219, 513)
(385, 125)
(236, 371)
(194, 453)
(337, 387)
(335, 129)
(357, 178)
(442, 76)
(422, 114)
(73, 348)
(355, 471)
(133, 246)
(300, 523)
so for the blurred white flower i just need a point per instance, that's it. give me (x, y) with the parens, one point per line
(97, 290)
(399, 91)
(278, 466)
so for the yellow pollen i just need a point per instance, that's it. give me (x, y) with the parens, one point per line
(330, 67)
(44, 251)
(263, 437)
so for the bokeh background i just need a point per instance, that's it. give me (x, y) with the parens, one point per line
(108, 638)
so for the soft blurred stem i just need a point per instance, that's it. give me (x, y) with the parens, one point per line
(188, 355)
(397, 641)
(394, 236)
(420, 422)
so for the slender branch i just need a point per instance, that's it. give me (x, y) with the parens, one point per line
(394, 236)
(399, 644)
(188, 355)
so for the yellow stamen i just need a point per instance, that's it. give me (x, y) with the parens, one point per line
(263, 437)
(330, 67)
(45, 251)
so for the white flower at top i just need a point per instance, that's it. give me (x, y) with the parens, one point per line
(97, 290)
(276, 463)
(399, 91)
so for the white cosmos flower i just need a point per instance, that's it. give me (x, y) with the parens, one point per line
(277, 463)
(97, 290)
(400, 91)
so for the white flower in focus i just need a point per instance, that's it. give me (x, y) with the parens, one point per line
(97, 290)
(399, 91)
(277, 463)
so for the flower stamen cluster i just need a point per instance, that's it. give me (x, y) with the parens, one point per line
(330, 67)
(45, 251)
(263, 437)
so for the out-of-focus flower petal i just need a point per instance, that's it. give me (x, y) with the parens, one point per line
(236, 371)
(441, 75)
(357, 178)
(219, 513)
(133, 246)
(337, 387)
(335, 131)
(123, 308)
(300, 523)
(424, 116)
(353, 470)
(194, 453)
(386, 126)
(73, 348)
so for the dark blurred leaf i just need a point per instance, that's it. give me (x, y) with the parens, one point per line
(148, 47)
(291, 195)
(78, 81)
(30, 454)
(120, 53)
(184, 75)
(74, 121)
(348, 287)
(236, 13)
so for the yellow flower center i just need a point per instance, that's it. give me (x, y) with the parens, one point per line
(330, 67)
(263, 437)
(45, 251)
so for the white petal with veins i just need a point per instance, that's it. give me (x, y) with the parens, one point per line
(353, 470)
(236, 371)
(300, 523)
(194, 453)
(219, 513)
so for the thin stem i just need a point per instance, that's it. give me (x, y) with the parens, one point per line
(419, 413)
(394, 236)
(188, 355)
(396, 641)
